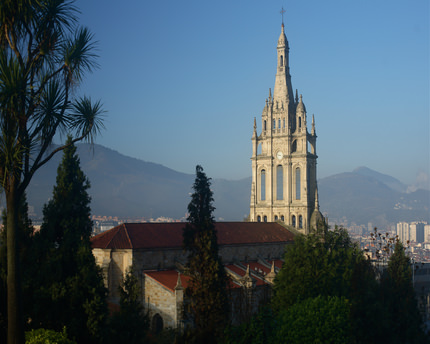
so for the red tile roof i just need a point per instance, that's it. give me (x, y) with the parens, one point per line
(168, 278)
(169, 235)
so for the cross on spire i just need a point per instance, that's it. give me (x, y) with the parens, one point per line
(282, 14)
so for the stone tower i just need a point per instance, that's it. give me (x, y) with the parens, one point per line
(284, 174)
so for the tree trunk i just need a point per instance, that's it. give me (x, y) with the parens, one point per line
(15, 333)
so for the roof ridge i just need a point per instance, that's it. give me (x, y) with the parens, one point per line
(113, 236)
(128, 237)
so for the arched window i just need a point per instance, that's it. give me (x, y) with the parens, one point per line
(300, 122)
(279, 183)
(258, 218)
(279, 123)
(264, 125)
(265, 218)
(282, 218)
(263, 185)
(293, 221)
(300, 221)
(276, 217)
(282, 60)
(298, 183)
(157, 324)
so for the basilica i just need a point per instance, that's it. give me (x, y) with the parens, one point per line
(284, 203)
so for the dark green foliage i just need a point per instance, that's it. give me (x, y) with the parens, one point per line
(206, 292)
(321, 263)
(130, 324)
(402, 318)
(315, 320)
(71, 292)
(259, 330)
(42, 336)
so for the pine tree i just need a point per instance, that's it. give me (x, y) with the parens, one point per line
(71, 292)
(206, 292)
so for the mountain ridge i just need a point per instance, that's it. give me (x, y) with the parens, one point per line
(127, 187)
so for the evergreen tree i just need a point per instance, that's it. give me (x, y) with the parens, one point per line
(71, 292)
(130, 324)
(403, 320)
(206, 292)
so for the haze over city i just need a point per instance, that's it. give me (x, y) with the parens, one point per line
(183, 81)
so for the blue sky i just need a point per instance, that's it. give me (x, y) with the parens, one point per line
(183, 80)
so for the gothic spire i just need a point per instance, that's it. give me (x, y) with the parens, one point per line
(283, 88)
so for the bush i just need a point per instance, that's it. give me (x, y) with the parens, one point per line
(43, 336)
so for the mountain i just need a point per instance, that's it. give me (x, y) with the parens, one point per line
(364, 196)
(131, 188)
(391, 182)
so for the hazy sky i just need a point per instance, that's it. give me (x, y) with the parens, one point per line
(183, 80)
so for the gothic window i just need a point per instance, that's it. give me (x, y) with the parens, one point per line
(279, 123)
(283, 123)
(297, 183)
(282, 218)
(300, 122)
(258, 218)
(274, 124)
(279, 183)
(264, 125)
(293, 222)
(276, 217)
(282, 60)
(300, 221)
(265, 218)
(263, 185)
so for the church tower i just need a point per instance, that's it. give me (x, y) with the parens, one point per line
(284, 159)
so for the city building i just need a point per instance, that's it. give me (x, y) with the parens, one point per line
(403, 232)
(284, 159)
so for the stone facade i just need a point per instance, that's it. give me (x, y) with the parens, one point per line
(284, 159)
(250, 252)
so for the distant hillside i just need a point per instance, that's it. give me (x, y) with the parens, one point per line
(364, 196)
(127, 187)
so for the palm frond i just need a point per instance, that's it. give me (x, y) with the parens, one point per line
(87, 118)
(79, 55)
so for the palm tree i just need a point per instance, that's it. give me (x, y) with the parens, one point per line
(44, 55)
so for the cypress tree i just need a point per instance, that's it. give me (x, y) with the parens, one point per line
(71, 292)
(206, 293)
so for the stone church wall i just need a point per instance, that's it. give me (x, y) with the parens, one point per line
(159, 300)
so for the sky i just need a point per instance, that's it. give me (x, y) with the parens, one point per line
(183, 80)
